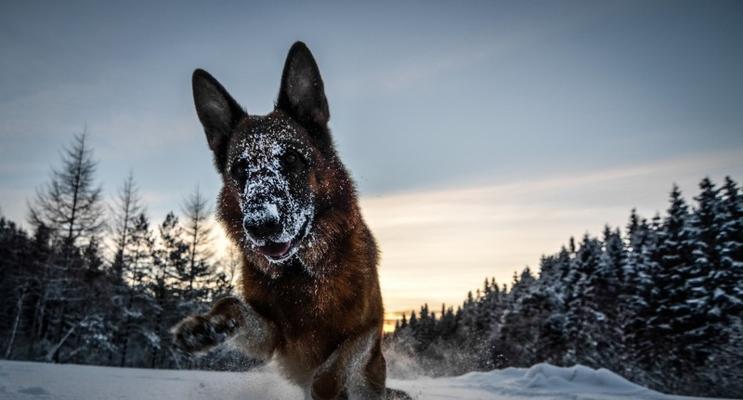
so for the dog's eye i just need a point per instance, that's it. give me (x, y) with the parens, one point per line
(292, 161)
(239, 171)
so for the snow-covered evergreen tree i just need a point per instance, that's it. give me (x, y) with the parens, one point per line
(71, 208)
(194, 274)
(655, 304)
(726, 277)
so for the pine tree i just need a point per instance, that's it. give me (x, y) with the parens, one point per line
(636, 291)
(197, 237)
(168, 258)
(605, 297)
(707, 221)
(674, 342)
(18, 283)
(717, 222)
(127, 208)
(447, 324)
(531, 329)
(70, 207)
(139, 301)
(124, 212)
(727, 277)
(583, 316)
(71, 202)
(413, 323)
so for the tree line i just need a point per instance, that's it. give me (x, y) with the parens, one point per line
(660, 303)
(96, 282)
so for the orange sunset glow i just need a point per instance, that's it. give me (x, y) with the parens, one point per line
(436, 245)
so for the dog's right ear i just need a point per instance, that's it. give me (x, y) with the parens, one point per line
(218, 112)
(302, 93)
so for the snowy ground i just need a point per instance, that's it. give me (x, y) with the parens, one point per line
(27, 380)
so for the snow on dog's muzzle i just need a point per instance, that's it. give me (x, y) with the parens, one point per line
(262, 223)
(263, 226)
(276, 217)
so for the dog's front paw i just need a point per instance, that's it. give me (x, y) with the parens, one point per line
(197, 334)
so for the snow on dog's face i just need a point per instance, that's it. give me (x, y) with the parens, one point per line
(284, 185)
(269, 168)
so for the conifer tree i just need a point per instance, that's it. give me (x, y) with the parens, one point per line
(70, 207)
(70, 204)
(197, 269)
(584, 318)
(673, 341)
(127, 207)
(140, 301)
(727, 277)
(169, 257)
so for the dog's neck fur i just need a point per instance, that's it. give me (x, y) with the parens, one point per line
(338, 270)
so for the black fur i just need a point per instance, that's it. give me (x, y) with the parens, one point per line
(218, 112)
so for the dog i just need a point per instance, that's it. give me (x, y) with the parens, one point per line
(310, 292)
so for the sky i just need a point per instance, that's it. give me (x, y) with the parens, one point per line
(480, 134)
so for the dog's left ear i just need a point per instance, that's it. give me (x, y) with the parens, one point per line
(302, 94)
(218, 111)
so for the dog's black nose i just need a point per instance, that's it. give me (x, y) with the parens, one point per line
(262, 223)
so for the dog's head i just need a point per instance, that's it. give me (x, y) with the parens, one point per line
(280, 171)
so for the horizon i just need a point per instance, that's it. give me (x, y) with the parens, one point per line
(476, 149)
(424, 212)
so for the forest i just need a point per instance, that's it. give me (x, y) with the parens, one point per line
(658, 303)
(97, 282)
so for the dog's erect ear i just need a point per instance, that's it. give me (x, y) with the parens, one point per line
(302, 94)
(218, 111)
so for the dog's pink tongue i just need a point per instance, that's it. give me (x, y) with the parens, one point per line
(275, 250)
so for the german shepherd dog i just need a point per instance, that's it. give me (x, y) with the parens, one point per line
(311, 296)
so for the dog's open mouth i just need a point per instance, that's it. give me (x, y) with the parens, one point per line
(275, 251)
(279, 251)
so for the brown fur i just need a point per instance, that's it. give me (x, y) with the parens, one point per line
(320, 316)
(316, 312)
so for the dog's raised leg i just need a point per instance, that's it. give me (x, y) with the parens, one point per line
(355, 370)
(228, 318)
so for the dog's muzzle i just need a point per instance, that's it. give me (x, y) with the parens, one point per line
(262, 223)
